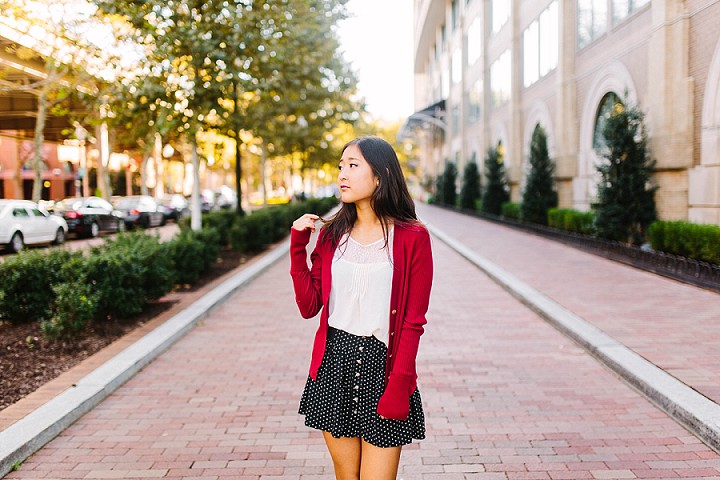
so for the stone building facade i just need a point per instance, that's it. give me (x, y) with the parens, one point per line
(487, 72)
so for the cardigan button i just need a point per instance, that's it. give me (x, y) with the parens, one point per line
(394, 311)
(392, 333)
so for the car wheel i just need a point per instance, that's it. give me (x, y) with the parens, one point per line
(59, 237)
(94, 230)
(16, 242)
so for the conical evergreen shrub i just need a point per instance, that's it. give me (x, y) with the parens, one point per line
(625, 204)
(539, 195)
(496, 192)
(470, 190)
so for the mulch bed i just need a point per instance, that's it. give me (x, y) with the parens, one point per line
(27, 360)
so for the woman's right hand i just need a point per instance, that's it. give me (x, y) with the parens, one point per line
(306, 221)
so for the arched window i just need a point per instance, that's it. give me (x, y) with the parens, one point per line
(609, 103)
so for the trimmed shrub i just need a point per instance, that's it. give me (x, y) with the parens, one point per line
(74, 307)
(193, 253)
(26, 281)
(221, 221)
(511, 210)
(572, 220)
(126, 273)
(692, 240)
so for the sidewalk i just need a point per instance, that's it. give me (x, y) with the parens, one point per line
(506, 395)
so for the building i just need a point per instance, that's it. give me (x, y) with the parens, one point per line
(487, 72)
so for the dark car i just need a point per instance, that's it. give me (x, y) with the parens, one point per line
(174, 206)
(88, 216)
(140, 211)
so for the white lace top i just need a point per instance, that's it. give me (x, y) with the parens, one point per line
(361, 287)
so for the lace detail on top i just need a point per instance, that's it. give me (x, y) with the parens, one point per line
(361, 286)
(354, 252)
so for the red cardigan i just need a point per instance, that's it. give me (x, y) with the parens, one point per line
(411, 283)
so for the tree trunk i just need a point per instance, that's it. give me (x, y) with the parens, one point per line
(37, 160)
(159, 186)
(143, 172)
(263, 162)
(196, 214)
(102, 176)
(238, 163)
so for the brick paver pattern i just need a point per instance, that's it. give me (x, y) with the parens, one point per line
(673, 325)
(506, 397)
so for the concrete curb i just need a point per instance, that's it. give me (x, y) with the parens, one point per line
(689, 408)
(28, 435)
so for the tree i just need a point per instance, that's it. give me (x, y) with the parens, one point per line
(56, 36)
(496, 190)
(539, 195)
(470, 191)
(625, 204)
(263, 66)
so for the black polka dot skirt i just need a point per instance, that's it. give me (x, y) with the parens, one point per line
(343, 400)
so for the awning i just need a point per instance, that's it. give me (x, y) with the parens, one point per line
(431, 115)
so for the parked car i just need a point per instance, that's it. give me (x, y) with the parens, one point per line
(23, 222)
(88, 216)
(225, 198)
(207, 200)
(174, 206)
(140, 211)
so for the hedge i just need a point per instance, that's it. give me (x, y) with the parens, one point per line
(698, 241)
(26, 281)
(571, 220)
(66, 290)
(510, 210)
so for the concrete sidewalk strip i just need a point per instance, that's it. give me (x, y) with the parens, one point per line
(23, 438)
(693, 410)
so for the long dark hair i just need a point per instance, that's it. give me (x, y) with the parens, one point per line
(391, 200)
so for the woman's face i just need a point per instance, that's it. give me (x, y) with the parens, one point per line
(356, 180)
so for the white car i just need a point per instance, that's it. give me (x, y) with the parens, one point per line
(23, 222)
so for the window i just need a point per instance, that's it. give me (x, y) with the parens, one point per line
(456, 66)
(20, 212)
(500, 76)
(475, 102)
(549, 39)
(540, 45)
(531, 54)
(591, 20)
(610, 102)
(474, 39)
(500, 14)
(623, 8)
(454, 14)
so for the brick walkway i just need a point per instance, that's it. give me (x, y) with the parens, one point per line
(506, 395)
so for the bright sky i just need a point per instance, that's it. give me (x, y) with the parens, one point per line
(378, 41)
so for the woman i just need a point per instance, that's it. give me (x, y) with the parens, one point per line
(371, 276)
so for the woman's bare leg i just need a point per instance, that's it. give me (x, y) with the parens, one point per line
(345, 453)
(379, 463)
